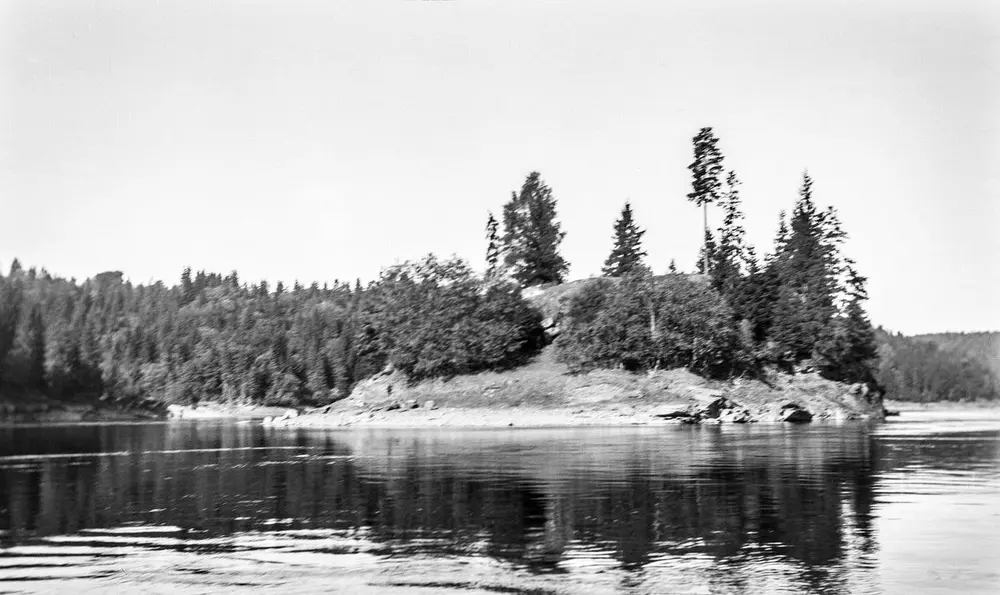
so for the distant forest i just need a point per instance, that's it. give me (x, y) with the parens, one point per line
(213, 336)
(940, 367)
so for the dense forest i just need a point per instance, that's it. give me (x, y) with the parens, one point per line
(212, 336)
(941, 367)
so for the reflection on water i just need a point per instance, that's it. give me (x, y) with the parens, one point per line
(188, 507)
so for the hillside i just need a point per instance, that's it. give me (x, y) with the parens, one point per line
(943, 367)
(983, 347)
(549, 392)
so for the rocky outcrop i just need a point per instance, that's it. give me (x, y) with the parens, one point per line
(546, 392)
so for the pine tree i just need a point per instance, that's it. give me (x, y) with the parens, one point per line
(849, 352)
(626, 253)
(492, 247)
(707, 256)
(807, 271)
(733, 255)
(532, 235)
(187, 287)
(706, 169)
(11, 298)
(36, 349)
(672, 269)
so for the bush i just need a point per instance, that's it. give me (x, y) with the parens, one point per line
(435, 318)
(647, 323)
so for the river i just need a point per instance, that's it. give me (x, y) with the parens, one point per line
(910, 506)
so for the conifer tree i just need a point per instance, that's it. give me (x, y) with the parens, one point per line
(733, 255)
(806, 268)
(532, 235)
(493, 246)
(187, 287)
(672, 269)
(706, 169)
(707, 256)
(11, 298)
(849, 351)
(36, 349)
(626, 253)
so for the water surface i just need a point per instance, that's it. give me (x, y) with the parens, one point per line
(912, 506)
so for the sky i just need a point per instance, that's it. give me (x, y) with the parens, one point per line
(326, 140)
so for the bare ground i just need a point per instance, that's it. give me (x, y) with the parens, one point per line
(545, 393)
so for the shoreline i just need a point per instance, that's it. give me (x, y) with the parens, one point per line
(519, 417)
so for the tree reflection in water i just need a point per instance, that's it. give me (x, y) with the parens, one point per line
(543, 500)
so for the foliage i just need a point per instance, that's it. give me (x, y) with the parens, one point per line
(651, 322)
(983, 347)
(918, 369)
(626, 254)
(532, 235)
(492, 246)
(434, 318)
(706, 171)
(213, 338)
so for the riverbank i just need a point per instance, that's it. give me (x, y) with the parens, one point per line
(903, 406)
(29, 407)
(545, 393)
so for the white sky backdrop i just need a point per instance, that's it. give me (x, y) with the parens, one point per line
(321, 140)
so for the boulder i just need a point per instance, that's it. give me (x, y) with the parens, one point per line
(711, 407)
(794, 413)
(430, 405)
(672, 411)
(737, 415)
(411, 404)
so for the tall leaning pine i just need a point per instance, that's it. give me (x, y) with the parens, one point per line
(706, 172)
(492, 247)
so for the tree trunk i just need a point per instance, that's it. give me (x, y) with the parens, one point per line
(704, 209)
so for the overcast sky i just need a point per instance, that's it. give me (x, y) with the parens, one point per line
(321, 140)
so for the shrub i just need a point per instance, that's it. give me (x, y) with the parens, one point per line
(435, 318)
(647, 323)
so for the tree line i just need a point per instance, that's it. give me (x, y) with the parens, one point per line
(213, 336)
(942, 367)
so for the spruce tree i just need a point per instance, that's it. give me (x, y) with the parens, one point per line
(187, 287)
(626, 253)
(11, 298)
(36, 349)
(493, 246)
(707, 256)
(807, 270)
(849, 351)
(733, 255)
(706, 170)
(532, 235)
(672, 269)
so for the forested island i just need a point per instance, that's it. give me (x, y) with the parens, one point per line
(738, 317)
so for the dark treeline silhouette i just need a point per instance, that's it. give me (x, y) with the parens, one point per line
(944, 367)
(211, 337)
